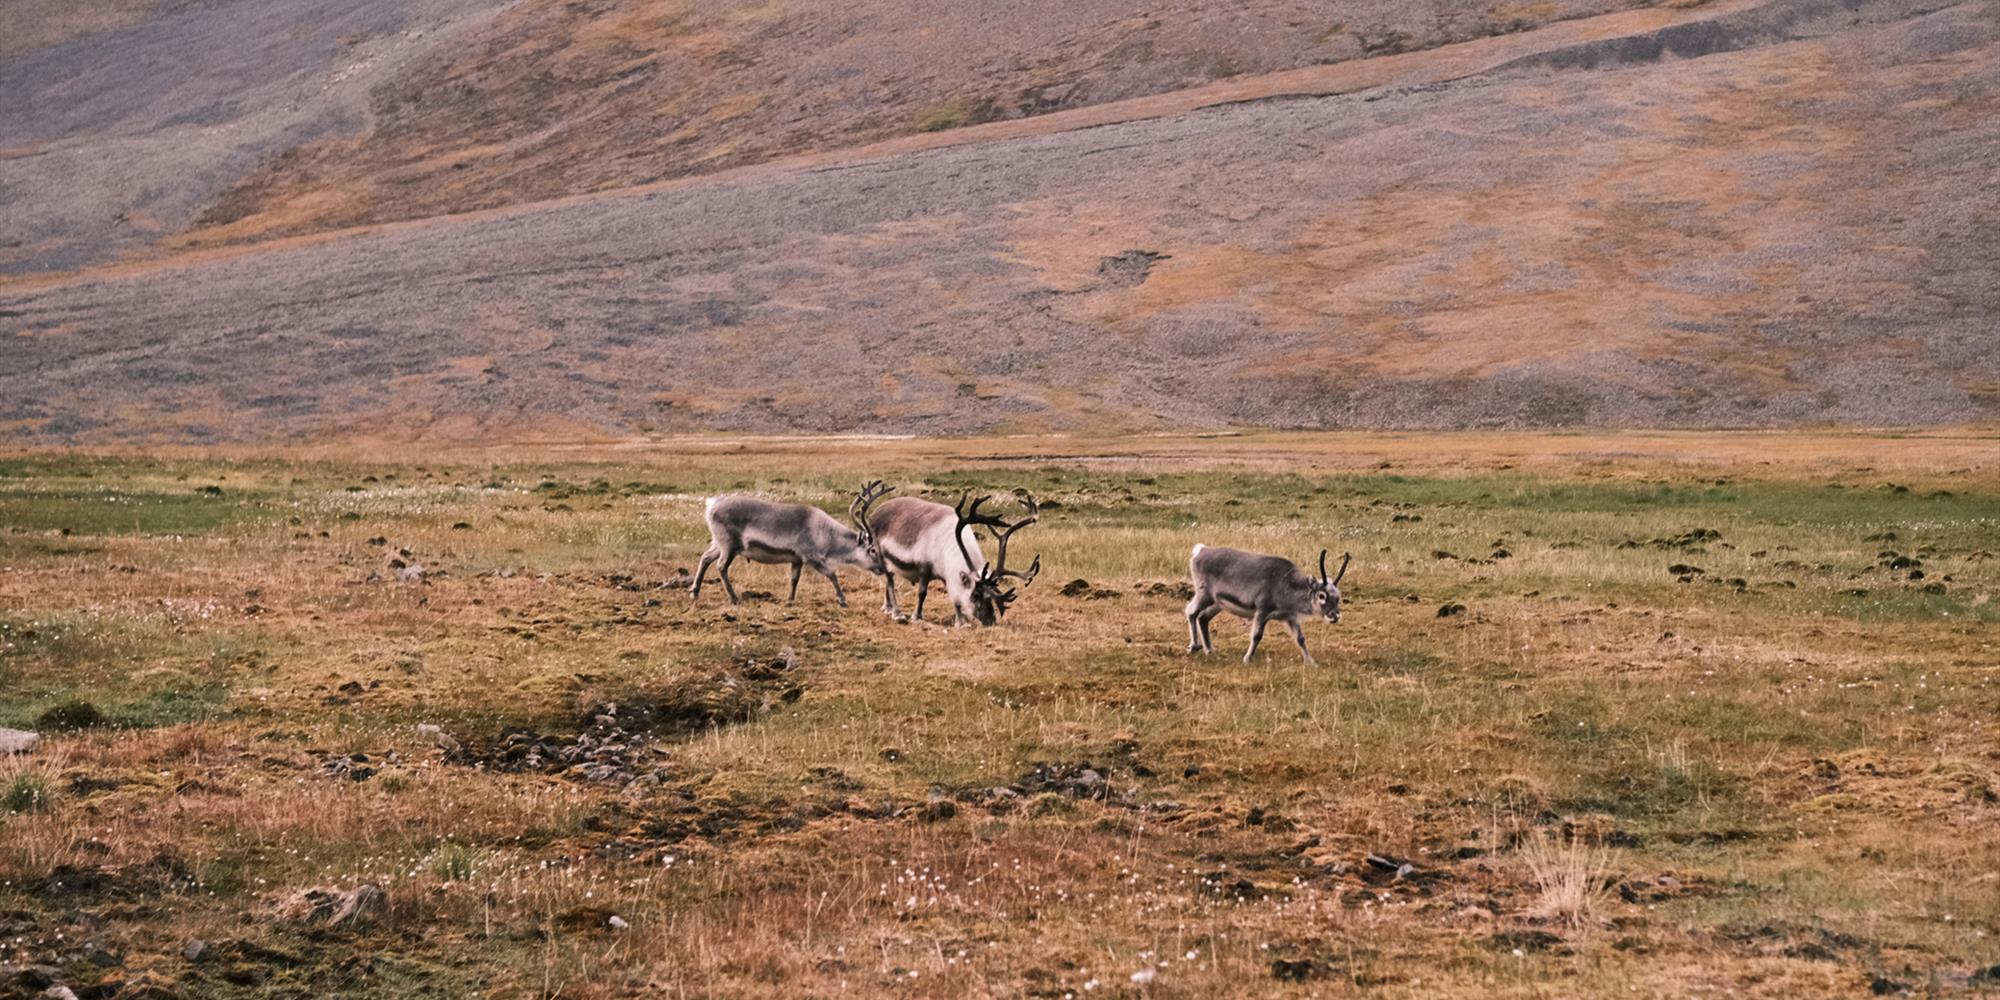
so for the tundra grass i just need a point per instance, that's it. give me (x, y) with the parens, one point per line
(1705, 716)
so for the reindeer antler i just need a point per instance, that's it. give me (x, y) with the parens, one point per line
(969, 516)
(858, 510)
(999, 568)
(1344, 557)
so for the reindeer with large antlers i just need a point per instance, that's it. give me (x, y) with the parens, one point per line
(1261, 588)
(921, 541)
(767, 532)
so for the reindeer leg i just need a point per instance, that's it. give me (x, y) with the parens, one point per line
(889, 606)
(1207, 634)
(834, 575)
(723, 572)
(1299, 636)
(1256, 633)
(707, 559)
(793, 597)
(1194, 609)
(923, 591)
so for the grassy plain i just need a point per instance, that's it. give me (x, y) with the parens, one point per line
(1772, 776)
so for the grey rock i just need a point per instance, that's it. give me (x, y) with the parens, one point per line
(13, 741)
(334, 907)
(359, 904)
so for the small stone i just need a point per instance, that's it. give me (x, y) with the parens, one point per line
(195, 950)
(617, 923)
(59, 993)
(438, 737)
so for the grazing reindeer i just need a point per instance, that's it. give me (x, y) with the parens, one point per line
(768, 532)
(921, 541)
(1260, 588)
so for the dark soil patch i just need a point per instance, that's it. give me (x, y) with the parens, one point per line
(603, 752)
(70, 716)
(621, 740)
(1128, 269)
(162, 875)
(730, 695)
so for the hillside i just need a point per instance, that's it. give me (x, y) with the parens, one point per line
(1733, 214)
(192, 122)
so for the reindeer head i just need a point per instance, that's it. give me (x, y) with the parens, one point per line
(1326, 592)
(857, 511)
(989, 600)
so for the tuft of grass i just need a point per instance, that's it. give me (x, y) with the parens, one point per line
(456, 862)
(955, 114)
(26, 792)
(941, 118)
(1570, 879)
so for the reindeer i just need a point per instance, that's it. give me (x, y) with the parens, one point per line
(921, 541)
(1260, 588)
(768, 532)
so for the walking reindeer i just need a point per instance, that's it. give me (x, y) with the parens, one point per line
(1261, 588)
(921, 541)
(767, 532)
